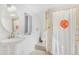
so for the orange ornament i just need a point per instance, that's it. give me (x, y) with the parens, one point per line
(64, 23)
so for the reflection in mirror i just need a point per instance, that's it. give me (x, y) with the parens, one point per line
(28, 24)
(9, 18)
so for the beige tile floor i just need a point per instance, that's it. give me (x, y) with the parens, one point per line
(39, 52)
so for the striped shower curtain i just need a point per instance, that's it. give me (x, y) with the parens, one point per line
(64, 39)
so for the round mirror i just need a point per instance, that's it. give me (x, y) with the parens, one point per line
(8, 11)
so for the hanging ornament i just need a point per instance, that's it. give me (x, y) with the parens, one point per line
(64, 23)
(17, 27)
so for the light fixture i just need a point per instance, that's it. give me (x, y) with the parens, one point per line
(12, 10)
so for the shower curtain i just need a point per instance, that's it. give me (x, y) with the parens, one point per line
(64, 38)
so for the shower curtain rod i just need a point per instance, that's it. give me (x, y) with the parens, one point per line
(62, 9)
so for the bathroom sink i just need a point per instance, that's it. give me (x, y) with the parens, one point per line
(12, 40)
